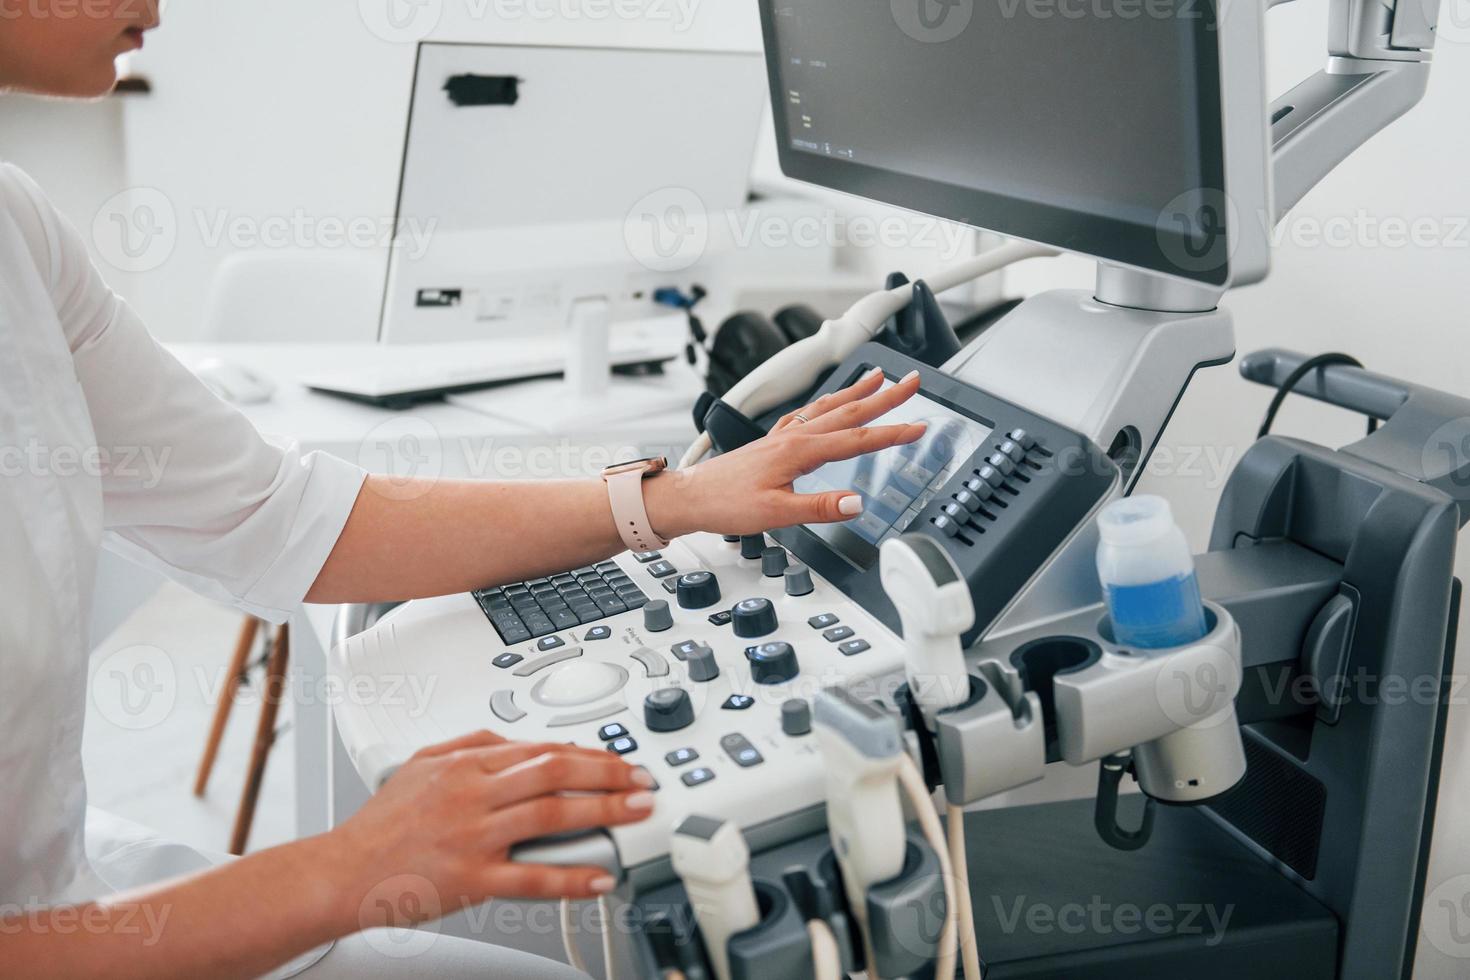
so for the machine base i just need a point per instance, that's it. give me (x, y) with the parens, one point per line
(1053, 902)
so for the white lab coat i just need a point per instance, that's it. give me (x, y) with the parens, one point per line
(85, 396)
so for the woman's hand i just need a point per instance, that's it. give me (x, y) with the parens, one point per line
(437, 836)
(749, 490)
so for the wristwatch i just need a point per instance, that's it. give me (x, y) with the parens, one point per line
(625, 492)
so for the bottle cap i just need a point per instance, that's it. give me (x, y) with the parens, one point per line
(1135, 521)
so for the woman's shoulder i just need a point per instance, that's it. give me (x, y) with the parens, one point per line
(24, 205)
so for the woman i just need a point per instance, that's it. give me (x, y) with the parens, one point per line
(265, 528)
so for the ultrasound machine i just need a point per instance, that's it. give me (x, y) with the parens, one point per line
(800, 696)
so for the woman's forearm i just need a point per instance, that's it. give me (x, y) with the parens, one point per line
(410, 540)
(240, 919)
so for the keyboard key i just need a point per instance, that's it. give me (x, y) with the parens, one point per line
(611, 606)
(644, 557)
(598, 633)
(550, 643)
(837, 633)
(515, 634)
(823, 621)
(540, 625)
(695, 777)
(661, 569)
(853, 647)
(507, 660)
(636, 601)
(565, 619)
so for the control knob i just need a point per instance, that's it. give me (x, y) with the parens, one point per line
(753, 617)
(668, 709)
(697, 590)
(656, 616)
(773, 663)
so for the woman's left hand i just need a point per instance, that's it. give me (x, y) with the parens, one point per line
(749, 490)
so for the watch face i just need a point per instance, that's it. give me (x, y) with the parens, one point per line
(647, 466)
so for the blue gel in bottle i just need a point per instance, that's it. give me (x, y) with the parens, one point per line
(1148, 576)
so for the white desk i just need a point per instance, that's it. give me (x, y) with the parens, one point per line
(433, 440)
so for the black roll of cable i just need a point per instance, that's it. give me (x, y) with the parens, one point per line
(1292, 380)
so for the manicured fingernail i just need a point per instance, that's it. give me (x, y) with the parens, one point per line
(910, 376)
(644, 778)
(872, 374)
(850, 505)
(640, 801)
(603, 885)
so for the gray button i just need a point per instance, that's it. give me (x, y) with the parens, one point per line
(991, 475)
(773, 561)
(541, 663)
(751, 546)
(837, 633)
(550, 643)
(796, 717)
(503, 703)
(702, 665)
(656, 616)
(587, 714)
(970, 501)
(654, 664)
(1002, 462)
(799, 580)
(1026, 440)
(822, 621)
(1013, 449)
(947, 525)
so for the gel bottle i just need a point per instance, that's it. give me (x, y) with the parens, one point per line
(1147, 575)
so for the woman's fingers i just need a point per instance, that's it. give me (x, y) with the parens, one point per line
(864, 410)
(861, 388)
(566, 772)
(543, 881)
(545, 816)
(847, 443)
(473, 740)
(496, 758)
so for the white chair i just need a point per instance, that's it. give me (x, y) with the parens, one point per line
(320, 296)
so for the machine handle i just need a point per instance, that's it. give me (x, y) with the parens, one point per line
(1426, 433)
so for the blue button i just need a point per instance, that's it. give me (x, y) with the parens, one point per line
(696, 776)
(680, 757)
(609, 732)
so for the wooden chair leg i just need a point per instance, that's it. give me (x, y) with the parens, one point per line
(243, 645)
(273, 692)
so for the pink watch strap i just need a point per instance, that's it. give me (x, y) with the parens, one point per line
(625, 492)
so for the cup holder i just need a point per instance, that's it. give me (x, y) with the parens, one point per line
(1105, 628)
(1041, 661)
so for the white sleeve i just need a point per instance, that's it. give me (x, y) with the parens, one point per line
(189, 485)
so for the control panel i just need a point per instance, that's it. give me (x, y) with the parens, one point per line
(1000, 487)
(698, 664)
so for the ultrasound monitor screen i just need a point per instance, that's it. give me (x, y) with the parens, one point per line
(1093, 125)
(897, 483)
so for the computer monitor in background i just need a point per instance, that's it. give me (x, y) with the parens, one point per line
(536, 177)
(1131, 132)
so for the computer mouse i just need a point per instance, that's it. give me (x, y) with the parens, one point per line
(234, 383)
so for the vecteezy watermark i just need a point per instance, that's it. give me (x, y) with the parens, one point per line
(411, 695)
(144, 920)
(401, 21)
(400, 916)
(1107, 9)
(408, 451)
(136, 230)
(1447, 453)
(834, 229)
(1363, 229)
(1453, 19)
(303, 230)
(679, 15)
(932, 21)
(1193, 230)
(1445, 919)
(139, 229)
(1098, 917)
(667, 230)
(144, 465)
(135, 688)
(110, 10)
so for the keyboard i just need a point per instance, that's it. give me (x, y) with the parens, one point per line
(527, 610)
